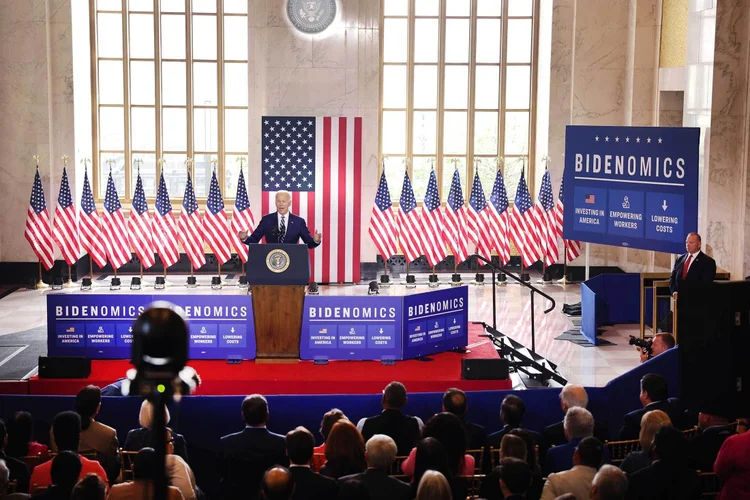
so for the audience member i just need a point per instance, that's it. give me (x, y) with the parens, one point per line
(66, 428)
(96, 437)
(651, 422)
(586, 460)
(5, 485)
(653, 396)
(145, 468)
(431, 455)
(140, 438)
(535, 490)
(662, 343)
(571, 396)
(65, 470)
(277, 484)
(743, 425)
(18, 470)
(433, 486)
(515, 444)
(308, 485)
(713, 431)
(456, 402)
(345, 451)
(329, 418)
(515, 478)
(446, 428)
(511, 415)
(179, 473)
(21, 438)
(403, 429)
(380, 452)
(670, 476)
(91, 487)
(189, 383)
(578, 424)
(733, 467)
(610, 483)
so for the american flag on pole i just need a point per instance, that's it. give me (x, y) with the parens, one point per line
(242, 218)
(383, 228)
(92, 239)
(190, 227)
(319, 161)
(573, 247)
(215, 225)
(523, 231)
(479, 222)
(38, 232)
(455, 228)
(165, 229)
(544, 218)
(114, 230)
(433, 244)
(64, 228)
(409, 225)
(139, 227)
(498, 219)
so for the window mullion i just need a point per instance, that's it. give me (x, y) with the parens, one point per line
(220, 171)
(440, 107)
(94, 63)
(157, 83)
(126, 97)
(471, 96)
(409, 119)
(533, 83)
(189, 80)
(501, 97)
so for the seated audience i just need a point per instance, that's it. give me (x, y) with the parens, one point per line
(713, 431)
(403, 429)
(189, 383)
(515, 445)
(277, 484)
(65, 469)
(446, 428)
(662, 342)
(653, 396)
(433, 486)
(308, 485)
(432, 455)
(179, 473)
(586, 460)
(515, 478)
(140, 438)
(651, 422)
(571, 396)
(732, 466)
(743, 425)
(145, 468)
(66, 428)
(537, 482)
(18, 470)
(511, 414)
(89, 488)
(21, 438)
(331, 417)
(670, 476)
(380, 452)
(578, 424)
(5, 485)
(345, 451)
(610, 483)
(96, 437)
(456, 402)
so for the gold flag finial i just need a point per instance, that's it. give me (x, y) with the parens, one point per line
(500, 161)
(65, 159)
(454, 161)
(160, 162)
(36, 159)
(407, 163)
(85, 162)
(546, 160)
(241, 160)
(382, 161)
(188, 164)
(138, 162)
(110, 161)
(214, 162)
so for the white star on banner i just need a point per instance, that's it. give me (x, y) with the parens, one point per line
(659, 140)
(596, 138)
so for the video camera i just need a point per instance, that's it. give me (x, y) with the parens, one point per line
(645, 345)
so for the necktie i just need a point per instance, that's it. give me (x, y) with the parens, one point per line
(283, 227)
(686, 266)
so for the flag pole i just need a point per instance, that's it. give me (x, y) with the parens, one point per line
(65, 159)
(40, 283)
(564, 280)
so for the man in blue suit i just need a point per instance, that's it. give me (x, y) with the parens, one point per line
(282, 226)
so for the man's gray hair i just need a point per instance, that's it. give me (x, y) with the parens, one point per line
(611, 483)
(574, 395)
(381, 451)
(578, 423)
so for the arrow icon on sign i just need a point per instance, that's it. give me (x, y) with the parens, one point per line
(664, 205)
(232, 330)
(130, 329)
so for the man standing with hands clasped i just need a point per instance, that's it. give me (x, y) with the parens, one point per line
(282, 226)
(692, 266)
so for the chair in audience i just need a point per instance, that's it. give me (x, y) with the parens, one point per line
(242, 474)
(478, 455)
(618, 450)
(691, 433)
(32, 461)
(710, 485)
(318, 460)
(396, 467)
(126, 464)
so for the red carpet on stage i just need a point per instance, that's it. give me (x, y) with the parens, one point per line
(337, 377)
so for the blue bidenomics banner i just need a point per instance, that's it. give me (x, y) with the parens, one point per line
(635, 187)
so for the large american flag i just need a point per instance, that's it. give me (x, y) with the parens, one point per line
(114, 230)
(479, 219)
(409, 226)
(318, 160)
(573, 247)
(165, 229)
(242, 218)
(190, 227)
(455, 228)
(498, 219)
(523, 231)
(38, 232)
(215, 225)
(64, 228)
(433, 245)
(92, 239)
(139, 227)
(544, 218)
(383, 228)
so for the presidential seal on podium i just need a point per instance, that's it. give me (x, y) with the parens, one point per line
(277, 261)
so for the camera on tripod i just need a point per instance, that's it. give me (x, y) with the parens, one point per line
(645, 345)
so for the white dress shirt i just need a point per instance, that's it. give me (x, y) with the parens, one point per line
(692, 259)
(286, 221)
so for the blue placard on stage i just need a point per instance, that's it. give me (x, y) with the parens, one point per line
(635, 187)
(435, 321)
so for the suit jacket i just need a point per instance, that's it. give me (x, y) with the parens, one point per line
(635, 461)
(377, 483)
(554, 435)
(631, 424)
(402, 428)
(296, 228)
(309, 485)
(560, 458)
(576, 480)
(139, 490)
(245, 456)
(662, 482)
(476, 436)
(495, 438)
(705, 446)
(18, 472)
(141, 437)
(702, 269)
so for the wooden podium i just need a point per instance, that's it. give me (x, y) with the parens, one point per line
(278, 274)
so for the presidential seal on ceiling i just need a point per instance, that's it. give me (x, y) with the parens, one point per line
(277, 261)
(311, 16)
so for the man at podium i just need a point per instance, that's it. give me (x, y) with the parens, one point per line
(282, 226)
